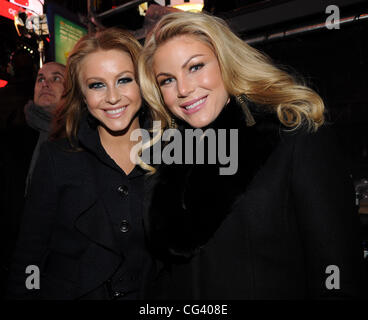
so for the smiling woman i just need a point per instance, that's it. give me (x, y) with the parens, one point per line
(111, 93)
(188, 87)
(278, 225)
(83, 225)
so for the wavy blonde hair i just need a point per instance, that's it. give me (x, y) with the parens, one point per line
(68, 114)
(244, 70)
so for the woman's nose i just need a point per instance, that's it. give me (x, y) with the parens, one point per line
(113, 95)
(185, 87)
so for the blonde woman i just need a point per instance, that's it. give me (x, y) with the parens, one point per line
(282, 224)
(82, 231)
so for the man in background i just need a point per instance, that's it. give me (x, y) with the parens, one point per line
(20, 145)
(48, 91)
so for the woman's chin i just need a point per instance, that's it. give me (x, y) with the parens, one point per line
(199, 122)
(116, 128)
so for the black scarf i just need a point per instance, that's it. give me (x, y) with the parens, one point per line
(188, 203)
(38, 118)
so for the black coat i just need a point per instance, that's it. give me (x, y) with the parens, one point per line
(82, 225)
(267, 232)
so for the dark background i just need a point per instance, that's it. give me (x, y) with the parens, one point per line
(333, 62)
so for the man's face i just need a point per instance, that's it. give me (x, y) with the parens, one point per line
(49, 86)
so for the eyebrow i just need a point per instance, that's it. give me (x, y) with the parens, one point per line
(53, 73)
(58, 73)
(119, 75)
(183, 66)
(192, 57)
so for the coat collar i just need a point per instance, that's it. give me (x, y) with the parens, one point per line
(89, 139)
(92, 219)
(189, 202)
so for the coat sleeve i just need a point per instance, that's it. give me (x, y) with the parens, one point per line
(36, 228)
(329, 225)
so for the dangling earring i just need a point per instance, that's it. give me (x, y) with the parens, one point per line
(172, 124)
(242, 101)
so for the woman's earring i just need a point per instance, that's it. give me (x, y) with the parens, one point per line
(172, 124)
(242, 101)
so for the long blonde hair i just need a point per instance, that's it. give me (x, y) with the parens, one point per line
(68, 114)
(244, 70)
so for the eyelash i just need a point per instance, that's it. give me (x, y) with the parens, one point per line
(193, 68)
(125, 80)
(165, 81)
(98, 85)
(95, 85)
(198, 66)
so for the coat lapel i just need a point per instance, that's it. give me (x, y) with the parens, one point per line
(102, 259)
(92, 219)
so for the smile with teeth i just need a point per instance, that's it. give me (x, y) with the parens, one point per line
(191, 106)
(115, 111)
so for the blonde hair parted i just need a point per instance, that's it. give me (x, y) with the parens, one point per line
(244, 70)
(68, 114)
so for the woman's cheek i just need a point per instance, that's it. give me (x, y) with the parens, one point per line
(169, 98)
(207, 81)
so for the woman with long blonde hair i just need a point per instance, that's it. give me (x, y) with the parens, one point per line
(279, 223)
(82, 230)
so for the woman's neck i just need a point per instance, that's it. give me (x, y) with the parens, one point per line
(118, 146)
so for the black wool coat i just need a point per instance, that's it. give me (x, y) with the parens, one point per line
(270, 231)
(82, 225)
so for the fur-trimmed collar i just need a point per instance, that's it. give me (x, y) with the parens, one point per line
(188, 203)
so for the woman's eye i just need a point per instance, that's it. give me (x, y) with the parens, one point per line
(125, 80)
(95, 85)
(41, 79)
(57, 78)
(166, 81)
(196, 67)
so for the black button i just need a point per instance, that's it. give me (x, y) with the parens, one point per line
(123, 190)
(124, 226)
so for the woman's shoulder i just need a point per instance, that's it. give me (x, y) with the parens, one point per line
(61, 150)
(268, 124)
(325, 135)
(321, 148)
(68, 165)
(300, 142)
